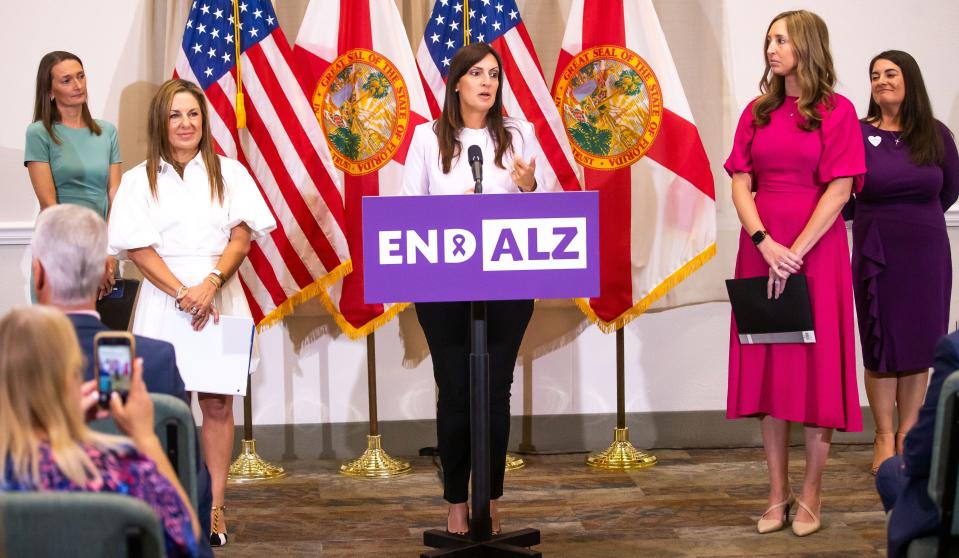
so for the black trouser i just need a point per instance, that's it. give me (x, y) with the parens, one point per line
(446, 325)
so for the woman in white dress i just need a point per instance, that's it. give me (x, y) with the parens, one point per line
(186, 217)
(437, 164)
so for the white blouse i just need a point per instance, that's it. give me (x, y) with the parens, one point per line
(423, 171)
(183, 220)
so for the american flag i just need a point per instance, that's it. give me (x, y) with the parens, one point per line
(282, 146)
(525, 94)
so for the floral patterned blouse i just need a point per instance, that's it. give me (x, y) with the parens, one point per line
(123, 470)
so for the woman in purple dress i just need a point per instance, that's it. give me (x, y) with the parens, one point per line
(798, 148)
(901, 264)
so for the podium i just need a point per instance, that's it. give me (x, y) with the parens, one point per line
(480, 248)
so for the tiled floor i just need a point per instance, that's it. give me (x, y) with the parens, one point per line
(692, 503)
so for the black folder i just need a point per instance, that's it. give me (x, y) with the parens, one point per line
(116, 308)
(759, 319)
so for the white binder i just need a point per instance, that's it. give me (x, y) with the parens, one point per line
(215, 359)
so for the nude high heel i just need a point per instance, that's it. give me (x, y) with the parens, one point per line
(804, 528)
(878, 456)
(771, 525)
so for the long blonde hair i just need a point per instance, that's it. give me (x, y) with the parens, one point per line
(809, 37)
(158, 146)
(40, 364)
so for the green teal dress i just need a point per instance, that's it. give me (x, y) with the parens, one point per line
(80, 163)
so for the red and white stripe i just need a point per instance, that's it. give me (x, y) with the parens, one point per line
(525, 96)
(655, 234)
(284, 150)
(329, 29)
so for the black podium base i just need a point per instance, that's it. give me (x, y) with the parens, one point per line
(504, 545)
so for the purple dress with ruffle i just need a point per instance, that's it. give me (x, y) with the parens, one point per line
(901, 262)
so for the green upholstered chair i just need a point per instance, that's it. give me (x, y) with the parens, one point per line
(79, 525)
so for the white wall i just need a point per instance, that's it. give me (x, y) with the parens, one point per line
(676, 360)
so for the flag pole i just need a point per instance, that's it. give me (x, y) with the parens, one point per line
(248, 466)
(621, 455)
(375, 463)
(512, 462)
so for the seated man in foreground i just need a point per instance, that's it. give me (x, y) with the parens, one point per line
(903, 480)
(69, 249)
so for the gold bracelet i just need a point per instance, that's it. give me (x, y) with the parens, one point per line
(212, 280)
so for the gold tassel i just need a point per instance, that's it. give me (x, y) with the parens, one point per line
(240, 109)
(655, 294)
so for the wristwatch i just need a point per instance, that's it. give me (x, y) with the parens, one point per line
(759, 236)
(217, 272)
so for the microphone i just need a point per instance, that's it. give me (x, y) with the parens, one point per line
(475, 156)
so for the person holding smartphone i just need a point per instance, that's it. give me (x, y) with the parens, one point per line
(186, 217)
(45, 444)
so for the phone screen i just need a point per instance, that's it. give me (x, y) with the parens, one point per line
(115, 365)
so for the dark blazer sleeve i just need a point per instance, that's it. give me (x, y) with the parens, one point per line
(160, 371)
(915, 514)
(86, 347)
(917, 454)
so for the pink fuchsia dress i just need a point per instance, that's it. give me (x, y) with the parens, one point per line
(815, 383)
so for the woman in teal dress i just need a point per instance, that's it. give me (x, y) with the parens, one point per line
(70, 156)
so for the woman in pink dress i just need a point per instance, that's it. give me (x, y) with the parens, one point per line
(798, 147)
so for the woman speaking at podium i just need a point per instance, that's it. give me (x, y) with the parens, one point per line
(437, 164)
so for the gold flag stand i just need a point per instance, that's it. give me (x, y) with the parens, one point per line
(514, 463)
(621, 455)
(375, 463)
(248, 466)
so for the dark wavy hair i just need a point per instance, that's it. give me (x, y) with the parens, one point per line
(451, 121)
(44, 106)
(920, 129)
(814, 69)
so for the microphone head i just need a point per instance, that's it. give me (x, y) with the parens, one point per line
(474, 154)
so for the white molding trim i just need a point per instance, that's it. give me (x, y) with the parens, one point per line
(16, 233)
(952, 216)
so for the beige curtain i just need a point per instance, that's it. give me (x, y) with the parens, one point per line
(699, 63)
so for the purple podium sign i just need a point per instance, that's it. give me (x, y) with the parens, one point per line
(480, 247)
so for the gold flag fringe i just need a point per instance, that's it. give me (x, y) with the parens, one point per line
(655, 294)
(316, 289)
(370, 326)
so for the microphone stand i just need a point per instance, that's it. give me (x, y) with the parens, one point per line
(480, 541)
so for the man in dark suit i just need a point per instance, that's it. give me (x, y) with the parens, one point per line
(69, 249)
(69, 259)
(903, 480)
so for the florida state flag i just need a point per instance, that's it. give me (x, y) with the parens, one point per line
(355, 63)
(630, 127)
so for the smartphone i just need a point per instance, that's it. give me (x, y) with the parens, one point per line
(114, 352)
